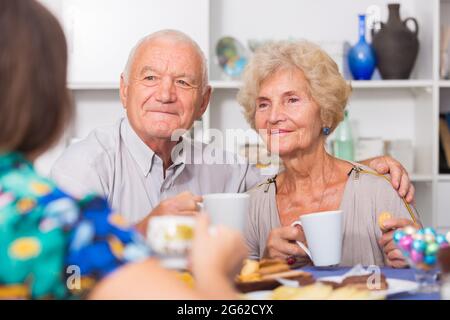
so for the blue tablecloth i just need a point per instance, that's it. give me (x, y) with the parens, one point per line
(403, 274)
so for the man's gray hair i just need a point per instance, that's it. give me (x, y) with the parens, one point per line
(172, 35)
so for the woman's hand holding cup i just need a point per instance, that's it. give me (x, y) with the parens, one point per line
(282, 243)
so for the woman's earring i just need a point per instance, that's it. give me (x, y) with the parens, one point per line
(326, 131)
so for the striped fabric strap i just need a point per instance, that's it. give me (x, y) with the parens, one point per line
(408, 207)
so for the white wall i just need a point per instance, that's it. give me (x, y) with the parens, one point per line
(100, 35)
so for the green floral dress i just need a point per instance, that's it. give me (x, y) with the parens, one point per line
(53, 246)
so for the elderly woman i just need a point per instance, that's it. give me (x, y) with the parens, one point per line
(294, 96)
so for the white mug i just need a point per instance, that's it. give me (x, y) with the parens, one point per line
(229, 209)
(323, 232)
(170, 238)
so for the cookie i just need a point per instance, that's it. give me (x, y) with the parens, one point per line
(382, 218)
(250, 266)
(275, 268)
(270, 262)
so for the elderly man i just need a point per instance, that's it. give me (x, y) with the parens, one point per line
(135, 163)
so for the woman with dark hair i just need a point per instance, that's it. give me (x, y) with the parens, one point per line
(47, 237)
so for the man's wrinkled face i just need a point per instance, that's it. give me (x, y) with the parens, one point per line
(164, 90)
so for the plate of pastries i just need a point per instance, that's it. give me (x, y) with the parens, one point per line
(260, 280)
(262, 275)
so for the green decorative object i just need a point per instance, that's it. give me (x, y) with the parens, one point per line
(231, 56)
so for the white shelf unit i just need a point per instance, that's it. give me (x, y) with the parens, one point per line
(395, 109)
(442, 185)
(93, 86)
(360, 84)
(421, 178)
(392, 84)
(225, 84)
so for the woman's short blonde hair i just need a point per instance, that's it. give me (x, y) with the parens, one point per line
(325, 84)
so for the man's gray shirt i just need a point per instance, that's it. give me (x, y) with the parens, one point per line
(115, 163)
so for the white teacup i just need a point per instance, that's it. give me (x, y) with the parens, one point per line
(229, 209)
(170, 238)
(323, 232)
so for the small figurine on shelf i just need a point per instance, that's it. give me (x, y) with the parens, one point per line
(361, 57)
(445, 53)
(231, 56)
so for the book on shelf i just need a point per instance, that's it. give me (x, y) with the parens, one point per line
(444, 144)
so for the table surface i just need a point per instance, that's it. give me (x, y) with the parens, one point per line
(403, 274)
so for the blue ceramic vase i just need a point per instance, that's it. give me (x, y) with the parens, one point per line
(361, 57)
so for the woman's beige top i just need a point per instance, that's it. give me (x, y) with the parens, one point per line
(365, 197)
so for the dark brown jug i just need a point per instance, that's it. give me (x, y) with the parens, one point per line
(396, 46)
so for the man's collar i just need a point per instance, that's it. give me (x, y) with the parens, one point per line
(145, 156)
(141, 153)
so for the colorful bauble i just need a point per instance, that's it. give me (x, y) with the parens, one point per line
(398, 234)
(416, 256)
(429, 231)
(432, 249)
(430, 260)
(409, 230)
(420, 247)
(406, 243)
(440, 239)
(429, 238)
